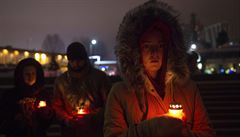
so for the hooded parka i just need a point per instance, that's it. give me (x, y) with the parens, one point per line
(16, 119)
(134, 107)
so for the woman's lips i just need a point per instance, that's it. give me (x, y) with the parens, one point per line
(154, 61)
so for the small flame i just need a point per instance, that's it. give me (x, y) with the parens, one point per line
(82, 111)
(42, 104)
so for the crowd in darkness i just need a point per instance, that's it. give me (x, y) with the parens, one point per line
(153, 66)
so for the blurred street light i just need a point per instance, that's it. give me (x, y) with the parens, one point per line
(16, 53)
(93, 42)
(26, 54)
(37, 56)
(5, 51)
(193, 47)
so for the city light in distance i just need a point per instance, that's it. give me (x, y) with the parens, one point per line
(94, 41)
(193, 47)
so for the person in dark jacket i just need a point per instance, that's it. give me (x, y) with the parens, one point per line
(156, 97)
(26, 109)
(80, 95)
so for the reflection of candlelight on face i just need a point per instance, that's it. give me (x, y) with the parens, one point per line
(176, 110)
(42, 104)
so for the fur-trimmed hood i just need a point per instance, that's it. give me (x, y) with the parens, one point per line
(127, 50)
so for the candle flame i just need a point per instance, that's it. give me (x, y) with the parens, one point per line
(82, 111)
(42, 104)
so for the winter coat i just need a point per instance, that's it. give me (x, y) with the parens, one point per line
(134, 107)
(15, 120)
(16, 123)
(87, 89)
(123, 117)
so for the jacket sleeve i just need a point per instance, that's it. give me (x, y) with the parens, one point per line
(201, 123)
(58, 102)
(114, 121)
(105, 87)
(115, 124)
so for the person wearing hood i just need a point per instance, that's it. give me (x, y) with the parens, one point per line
(80, 95)
(151, 56)
(26, 109)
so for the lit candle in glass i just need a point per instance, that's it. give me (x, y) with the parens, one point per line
(81, 111)
(42, 104)
(175, 110)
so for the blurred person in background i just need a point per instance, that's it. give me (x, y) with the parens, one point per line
(80, 95)
(26, 109)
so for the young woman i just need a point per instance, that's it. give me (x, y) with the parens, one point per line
(151, 56)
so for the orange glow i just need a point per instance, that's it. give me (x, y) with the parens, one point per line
(42, 104)
(82, 111)
(176, 111)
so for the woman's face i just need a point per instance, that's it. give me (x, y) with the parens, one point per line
(152, 45)
(29, 75)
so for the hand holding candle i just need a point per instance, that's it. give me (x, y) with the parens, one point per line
(80, 117)
(81, 111)
(27, 106)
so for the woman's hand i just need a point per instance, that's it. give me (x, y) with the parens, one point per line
(44, 112)
(163, 126)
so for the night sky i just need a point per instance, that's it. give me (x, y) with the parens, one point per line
(26, 23)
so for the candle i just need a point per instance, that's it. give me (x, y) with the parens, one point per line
(81, 111)
(175, 110)
(42, 104)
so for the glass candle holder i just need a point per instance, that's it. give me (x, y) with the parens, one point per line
(176, 110)
(81, 111)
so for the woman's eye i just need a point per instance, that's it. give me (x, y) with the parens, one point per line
(151, 47)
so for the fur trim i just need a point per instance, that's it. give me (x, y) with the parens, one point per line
(134, 24)
(127, 50)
